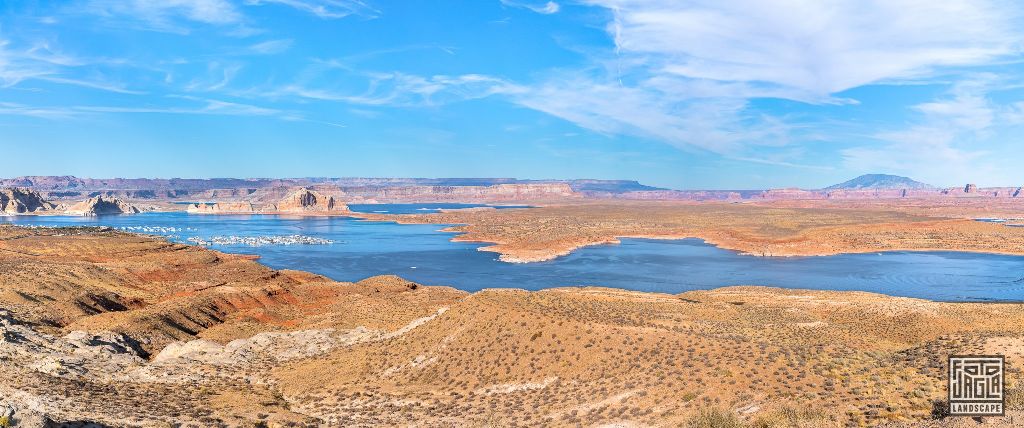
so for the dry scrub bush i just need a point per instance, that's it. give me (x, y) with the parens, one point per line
(790, 417)
(714, 418)
(1015, 398)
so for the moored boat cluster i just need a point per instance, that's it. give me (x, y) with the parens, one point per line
(259, 241)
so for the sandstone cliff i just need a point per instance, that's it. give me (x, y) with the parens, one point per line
(221, 208)
(305, 200)
(790, 194)
(495, 193)
(101, 205)
(675, 195)
(22, 201)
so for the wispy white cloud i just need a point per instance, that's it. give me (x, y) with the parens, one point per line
(206, 106)
(947, 132)
(218, 76)
(388, 89)
(186, 105)
(43, 63)
(808, 46)
(1014, 113)
(326, 9)
(715, 124)
(15, 109)
(43, 52)
(167, 15)
(685, 72)
(14, 70)
(103, 86)
(784, 163)
(542, 8)
(271, 47)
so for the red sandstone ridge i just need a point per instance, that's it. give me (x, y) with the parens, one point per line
(22, 201)
(306, 200)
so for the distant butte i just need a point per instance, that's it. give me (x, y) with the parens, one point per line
(23, 201)
(306, 200)
(880, 181)
(299, 201)
(101, 205)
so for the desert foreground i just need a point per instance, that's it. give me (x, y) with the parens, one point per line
(120, 329)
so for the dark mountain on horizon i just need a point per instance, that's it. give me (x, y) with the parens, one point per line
(880, 181)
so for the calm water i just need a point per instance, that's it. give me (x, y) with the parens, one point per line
(1003, 221)
(420, 208)
(422, 254)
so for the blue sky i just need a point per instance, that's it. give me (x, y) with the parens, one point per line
(682, 94)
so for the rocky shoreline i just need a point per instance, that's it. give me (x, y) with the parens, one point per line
(554, 230)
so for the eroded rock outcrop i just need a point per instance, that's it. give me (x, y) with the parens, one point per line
(101, 205)
(790, 193)
(305, 200)
(22, 201)
(221, 208)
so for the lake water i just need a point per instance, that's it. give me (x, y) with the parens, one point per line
(421, 253)
(1009, 222)
(420, 208)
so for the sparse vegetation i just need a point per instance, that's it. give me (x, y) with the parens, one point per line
(714, 418)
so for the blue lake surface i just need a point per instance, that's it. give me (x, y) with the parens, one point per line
(423, 254)
(420, 208)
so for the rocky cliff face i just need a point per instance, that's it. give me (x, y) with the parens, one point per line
(305, 200)
(221, 208)
(499, 192)
(22, 201)
(675, 195)
(790, 194)
(101, 205)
